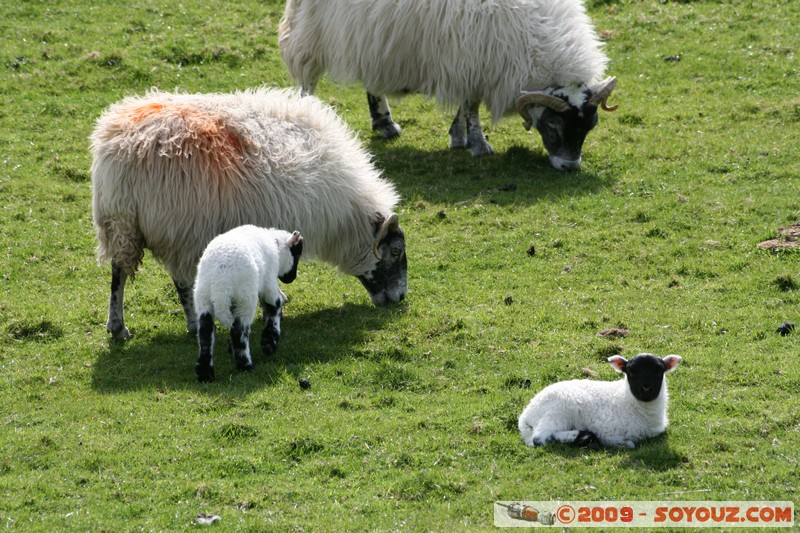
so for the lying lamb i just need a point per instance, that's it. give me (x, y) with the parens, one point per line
(239, 269)
(614, 413)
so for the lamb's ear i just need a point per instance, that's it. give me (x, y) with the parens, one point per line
(618, 362)
(671, 361)
(294, 238)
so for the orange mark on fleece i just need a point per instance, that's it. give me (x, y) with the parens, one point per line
(193, 132)
(212, 137)
(139, 113)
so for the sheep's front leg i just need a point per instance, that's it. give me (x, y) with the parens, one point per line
(458, 130)
(116, 321)
(240, 345)
(476, 142)
(186, 297)
(273, 313)
(205, 338)
(382, 117)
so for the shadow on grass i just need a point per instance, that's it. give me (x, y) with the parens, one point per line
(652, 455)
(517, 175)
(166, 360)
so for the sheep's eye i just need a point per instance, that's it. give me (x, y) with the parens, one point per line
(396, 252)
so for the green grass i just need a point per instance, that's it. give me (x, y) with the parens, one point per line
(410, 422)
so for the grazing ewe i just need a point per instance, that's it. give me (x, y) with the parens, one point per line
(238, 270)
(614, 413)
(173, 171)
(538, 57)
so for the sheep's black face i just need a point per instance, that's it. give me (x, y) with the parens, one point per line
(645, 374)
(563, 134)
(388, 281)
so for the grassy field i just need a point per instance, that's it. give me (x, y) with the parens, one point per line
(410, 422)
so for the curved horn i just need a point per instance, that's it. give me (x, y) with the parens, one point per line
(601, 91)
(390, 224)
(527, 99)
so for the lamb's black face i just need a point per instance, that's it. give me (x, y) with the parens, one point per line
(563, 134)
(388, 281)
(296, 250)
(645, 374)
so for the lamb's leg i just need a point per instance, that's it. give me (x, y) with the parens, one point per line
(382, 117)
(458, 130)
(186, 296)
(475, 140)
(240, 345)
(116, 320)
(205, 338)
(273, 313)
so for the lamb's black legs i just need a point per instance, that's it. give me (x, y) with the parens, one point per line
(272, 325)
(240, 345)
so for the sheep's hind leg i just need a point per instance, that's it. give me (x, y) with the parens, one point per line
(205, 338)
(272, 325)
(382, 117)
(240, 345)
(116, 321)
(476, 142)
(186, 297)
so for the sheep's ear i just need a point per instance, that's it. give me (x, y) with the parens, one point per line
(294, 238)
(618, 362)
(671, 361)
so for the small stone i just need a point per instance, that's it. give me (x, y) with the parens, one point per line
(509, 300)
(304, 384)
(785, 328)
(532, 251)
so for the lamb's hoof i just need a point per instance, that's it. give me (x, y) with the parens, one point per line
(587, 439)
(205, 374)
(244, 366)
(269, 343)
(269, 347)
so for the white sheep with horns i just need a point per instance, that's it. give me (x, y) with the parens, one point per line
(238, 271)
(171, 171)
(541, 58)
(613, 413)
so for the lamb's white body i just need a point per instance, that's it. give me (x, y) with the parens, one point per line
(615, 413)
(171, 171)
(239, 268)
(606, 408)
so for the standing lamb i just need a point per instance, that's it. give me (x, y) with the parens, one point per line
(238, 270)
(173, 171)
(538, 57)
(614, 413)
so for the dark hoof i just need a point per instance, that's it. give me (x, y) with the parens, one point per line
(244, 365)
(587, 439)
(269, 344)
(205, 374)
